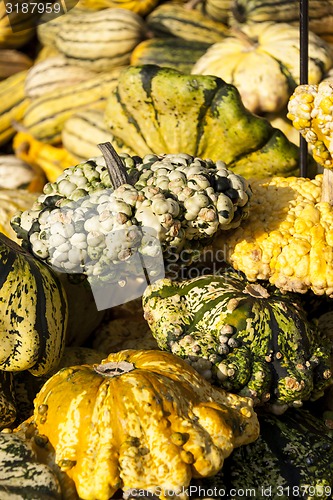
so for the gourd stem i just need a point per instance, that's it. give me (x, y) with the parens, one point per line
(114, 369)
(327, 186)
(117, 171)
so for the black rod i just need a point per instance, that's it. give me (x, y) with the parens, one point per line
(304, 73)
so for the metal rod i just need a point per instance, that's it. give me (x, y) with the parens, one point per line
(304, 73)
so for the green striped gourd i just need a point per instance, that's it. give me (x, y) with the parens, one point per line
(84, 130)
(22, 473)
(154, 109)
(45, 116)
(292, 458)
(249, 338)
(176, 20)
(141, 7)
(216, 9)
(53, 73)
(99, 40)
(175, 53)
(258, 11)
(34, 312)
(13, 103)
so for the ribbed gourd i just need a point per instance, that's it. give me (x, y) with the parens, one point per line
(53, 73)
(176, 20)
(34, 312)
(11, 202)
(258, 11)
(288, 241)
(247, 337)
(22, 473)
(262, 61)
(84, 221)
(13, 104)
(161, 110)
(215, 9)
(45, 115)
(292, 458)
(17, 174)
(141, 7)
(97, 40)
(186, 427)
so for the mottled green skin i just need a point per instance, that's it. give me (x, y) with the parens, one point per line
(293, 455)
(258, 346)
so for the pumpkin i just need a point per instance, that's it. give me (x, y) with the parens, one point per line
(292, 458)
(262, 61)
(11, 202)
(154, 423)
(247, 337)
(22, 475)
(154, 110)
(288, 241)
(33, 315)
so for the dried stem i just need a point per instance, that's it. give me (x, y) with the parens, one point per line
(327, 187)
(115, 166)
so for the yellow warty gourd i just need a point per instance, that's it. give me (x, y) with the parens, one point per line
(288, 240)
(311, 112)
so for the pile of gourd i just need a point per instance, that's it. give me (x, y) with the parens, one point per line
(166, 131)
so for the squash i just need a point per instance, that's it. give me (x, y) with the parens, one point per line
(219, 10)
(25, 386)
(17, 27)
(22, 475)
(7, 401)
(175, 53)
(82, 133)
(33, 317)
(49, 161)
(292, 458)
(141, 7)
(154, 423)
(45, 116)
(154, 110)
(13, 104)
(288, 240)
(250, 339)
(258, 11)
(17, 174)
(159, 219)
(262, 61)
(175, 20)
(11, 202)
(98, 40)
(52, 73)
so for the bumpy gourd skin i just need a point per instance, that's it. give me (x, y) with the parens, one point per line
(249, 339)
(292, 456)
(289, 239)
(80, 224)
(310, 109)
(149, 421)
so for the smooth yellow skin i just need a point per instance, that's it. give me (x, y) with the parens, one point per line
(154, 427)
